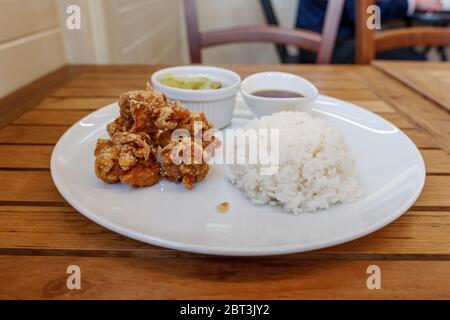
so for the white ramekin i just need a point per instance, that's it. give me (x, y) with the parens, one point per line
(261, 106)
(217, 104)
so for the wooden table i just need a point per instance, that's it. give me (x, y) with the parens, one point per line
(41, 235)
(430, 79)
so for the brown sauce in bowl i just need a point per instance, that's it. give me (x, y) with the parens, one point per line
(277, 94)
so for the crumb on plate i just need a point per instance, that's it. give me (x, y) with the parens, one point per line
(223, 207)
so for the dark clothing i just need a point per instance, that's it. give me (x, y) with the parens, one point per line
(311, 16)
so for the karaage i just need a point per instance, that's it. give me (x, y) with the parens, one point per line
(129, 158)
(183, 161)
(144, 132)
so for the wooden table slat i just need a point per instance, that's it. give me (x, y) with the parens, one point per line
(28, 186)
(25, 157)
(219, 278)
(432, 80)
(74, 103)
(411, 105)
(31, 135)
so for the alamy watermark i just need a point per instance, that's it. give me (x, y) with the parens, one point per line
(236, 146)
(374, 20)
(73, 21)
(74, 279)
(374, 280)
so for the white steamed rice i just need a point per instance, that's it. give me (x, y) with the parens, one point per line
(316, 167)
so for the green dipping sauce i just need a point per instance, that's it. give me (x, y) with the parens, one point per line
(194, 83)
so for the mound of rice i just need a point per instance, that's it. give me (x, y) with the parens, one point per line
(316, 168)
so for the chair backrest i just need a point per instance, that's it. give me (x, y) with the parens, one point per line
(323, 43)
(369, 42)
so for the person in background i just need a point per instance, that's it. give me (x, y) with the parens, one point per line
(311, 15)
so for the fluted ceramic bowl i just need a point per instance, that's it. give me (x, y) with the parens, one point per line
(217, 104)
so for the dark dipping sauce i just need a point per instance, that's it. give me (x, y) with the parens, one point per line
(277, 94)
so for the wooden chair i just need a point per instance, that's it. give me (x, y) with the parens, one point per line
(369, 42)
(323, 43)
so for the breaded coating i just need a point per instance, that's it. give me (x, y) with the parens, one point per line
(147, 111)
(137, 111)
(183, 161)
(106, 164)
(199, 127)
(129, 158)
(169, 116)
(144, 174)
(145, 130)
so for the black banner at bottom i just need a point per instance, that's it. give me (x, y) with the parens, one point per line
(218, 309)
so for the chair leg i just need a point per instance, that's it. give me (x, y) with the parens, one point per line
(271, 19)
(442, 53)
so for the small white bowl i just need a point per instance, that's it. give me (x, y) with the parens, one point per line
(262, 106)
(217, 104)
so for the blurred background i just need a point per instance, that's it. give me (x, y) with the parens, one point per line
(34, 39)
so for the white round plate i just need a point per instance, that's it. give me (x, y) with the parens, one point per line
(390, 169)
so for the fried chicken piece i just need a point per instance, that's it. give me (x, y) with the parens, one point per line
(129, 158)
(199, 127)
(106, 162)
(167, 120)
(144, 174)
(125, 120)
(102, 145)
(150, 112)
(168, 117)
(173, 117)
(183, 161)
(146, 123)
(143, 119)
(137, 111)
(137, 145)
(195, 122)
(147, 111)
